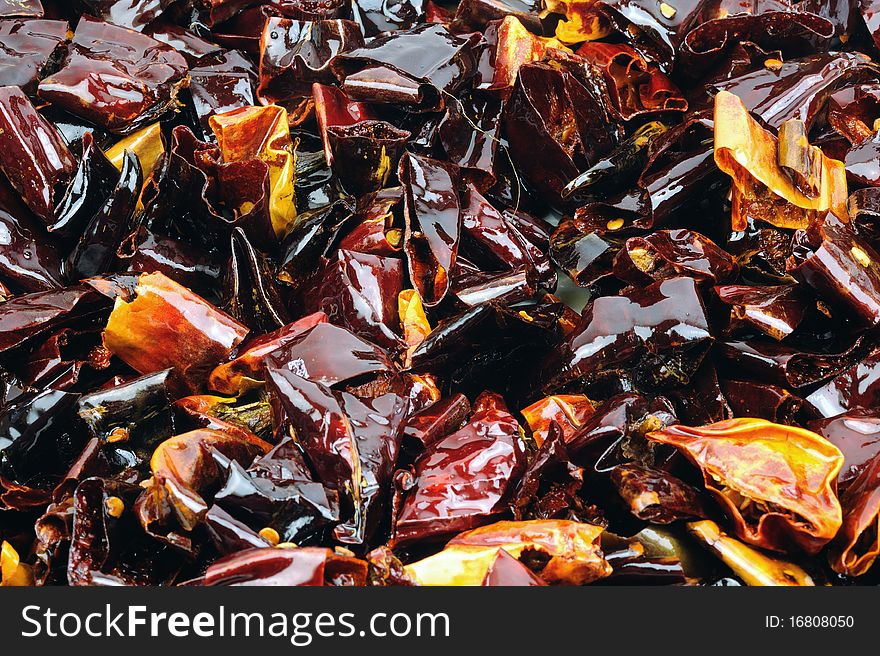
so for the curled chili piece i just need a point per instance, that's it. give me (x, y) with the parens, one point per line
(749, 466)
(751, 156)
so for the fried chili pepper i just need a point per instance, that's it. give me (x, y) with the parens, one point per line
(463, 479)
(750, 464)
(35, 159)
(496, 292)
(857, 546)
(570, 549)
(262, 133)
(166, 325)
(132, 78)
(752, 566)
(750, 155)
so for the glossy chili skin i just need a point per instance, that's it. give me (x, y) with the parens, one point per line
(637, 86)
(854, 433)
(68, 359)
(844, 269)
(854, 550)
(433, 223)
(334, 108)
(468, 134)
(144, 251)
(852, 388)
(775, 310)
(246, 368)
(103, 234)
(30, 46)
(193, 169)
(250, 296)
(664, 317)
(102, 57)
(784, 365)
(533, 115)
(220, 83)
(778, 95)
(655, 495)
(365, 154)
(99, 552)
(308, 245)
(381, 72)
(295, 54)
(359, 291)
(615, 434)
(278, 491)
(91, 186)
(438, 420)
(668, 253)
(755, 454)
(752, 399)
(496, 233)
(40, 437)
(352, 443)
(167, 325)
(185, 468)
(23, 8)
(376, 425)
(309, 567)
(134, 416)
(331, 355)
(680, 162)
(30, 315)
(506, 571)
(29, 260)
(793, 29)
(463, 479)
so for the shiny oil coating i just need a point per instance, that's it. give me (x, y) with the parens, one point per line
(42, 160)
(462, 479)
(146, 332)
(113, 76)
(791, 468)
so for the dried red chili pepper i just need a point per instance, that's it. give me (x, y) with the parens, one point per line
(166, 325)
(753, 468)
(273, 272)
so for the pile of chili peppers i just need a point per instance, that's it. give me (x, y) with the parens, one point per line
(513, 292)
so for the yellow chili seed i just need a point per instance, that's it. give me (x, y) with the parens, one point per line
(860, 256)
(118, 434)
(823, 308)
(667, 10)
(115, 507)
(270, 535)
(615, 224)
